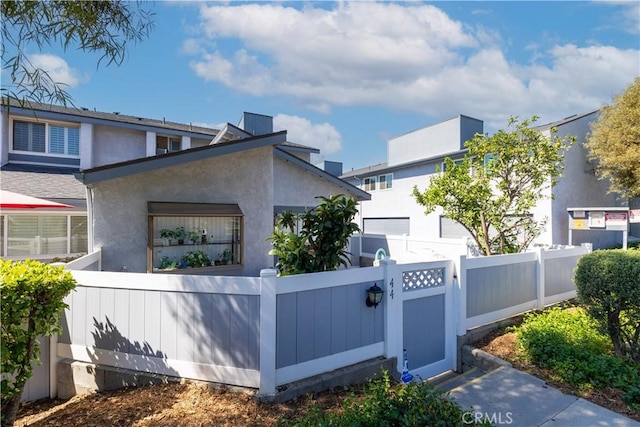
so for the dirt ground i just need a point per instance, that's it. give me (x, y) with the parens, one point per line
(174, 404)
(191, 404)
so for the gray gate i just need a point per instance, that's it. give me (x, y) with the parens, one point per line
(427, 318)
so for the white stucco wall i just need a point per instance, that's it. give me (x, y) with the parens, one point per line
(399, 202)
(120, 220)
(86, 145)
(434, 140)
(112, 145)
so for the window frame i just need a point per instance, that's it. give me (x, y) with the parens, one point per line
(181, 212)
(369, 183)
(5, 235)
(168, 141)
(47, 140)
(388, 181)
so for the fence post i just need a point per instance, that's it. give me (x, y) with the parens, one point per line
(460, 293)
(53, 366)
(540, 291)
(393, 332)
(268, 332)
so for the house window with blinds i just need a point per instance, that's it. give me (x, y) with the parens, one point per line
(46, 138)
(385, 181)
(369, 184)
(40, 236)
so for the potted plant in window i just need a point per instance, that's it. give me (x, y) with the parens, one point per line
(167, 236)
(167, 264)
(196, 259)
(226, 257)
(193, 237)
(180, 234)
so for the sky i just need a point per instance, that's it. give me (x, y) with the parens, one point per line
(346, 76)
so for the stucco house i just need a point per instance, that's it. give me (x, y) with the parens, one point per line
(224, 195)
(415, 156)
(42, 147)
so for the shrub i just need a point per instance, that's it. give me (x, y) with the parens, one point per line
(569, 343)
(320, 244)
(608, 284)
(32, 295)
(386, 404)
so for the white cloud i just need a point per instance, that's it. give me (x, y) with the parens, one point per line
(57, 69)
(302, 131)
(409, 57)
(336, 56)
(628, 15)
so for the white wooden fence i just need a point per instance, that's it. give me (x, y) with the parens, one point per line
(269, 331)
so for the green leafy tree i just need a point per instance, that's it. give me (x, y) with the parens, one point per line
(32, 295)
(321, 242)
(492, 191)
(99, 26)
(614, 142)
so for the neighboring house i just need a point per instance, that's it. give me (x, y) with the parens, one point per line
(416, 155)
(43, 146)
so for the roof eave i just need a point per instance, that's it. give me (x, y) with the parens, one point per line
(147, 164)
(283, 154)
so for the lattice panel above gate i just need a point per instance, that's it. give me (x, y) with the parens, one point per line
(422, 279)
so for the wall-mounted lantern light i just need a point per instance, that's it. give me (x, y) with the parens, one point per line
(374, 296)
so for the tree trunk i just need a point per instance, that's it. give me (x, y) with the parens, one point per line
(10, 409)
(10, 406)
(613, 327)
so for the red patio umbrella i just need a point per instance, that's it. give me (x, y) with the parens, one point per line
(11, 200)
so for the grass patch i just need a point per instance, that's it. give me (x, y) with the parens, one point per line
(386, 403)
(568, 343)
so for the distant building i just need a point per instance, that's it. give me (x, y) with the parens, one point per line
(415, 156)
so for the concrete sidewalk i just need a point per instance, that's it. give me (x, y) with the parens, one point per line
(507, 396)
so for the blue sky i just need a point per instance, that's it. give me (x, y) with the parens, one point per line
(346, 76)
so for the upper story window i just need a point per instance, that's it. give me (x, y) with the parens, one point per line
(385, 181)
(369, 184)
(167, 144)
(47, 138)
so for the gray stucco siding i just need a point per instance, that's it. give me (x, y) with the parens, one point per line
(120, 205)
(112, 145)
(294, 186)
